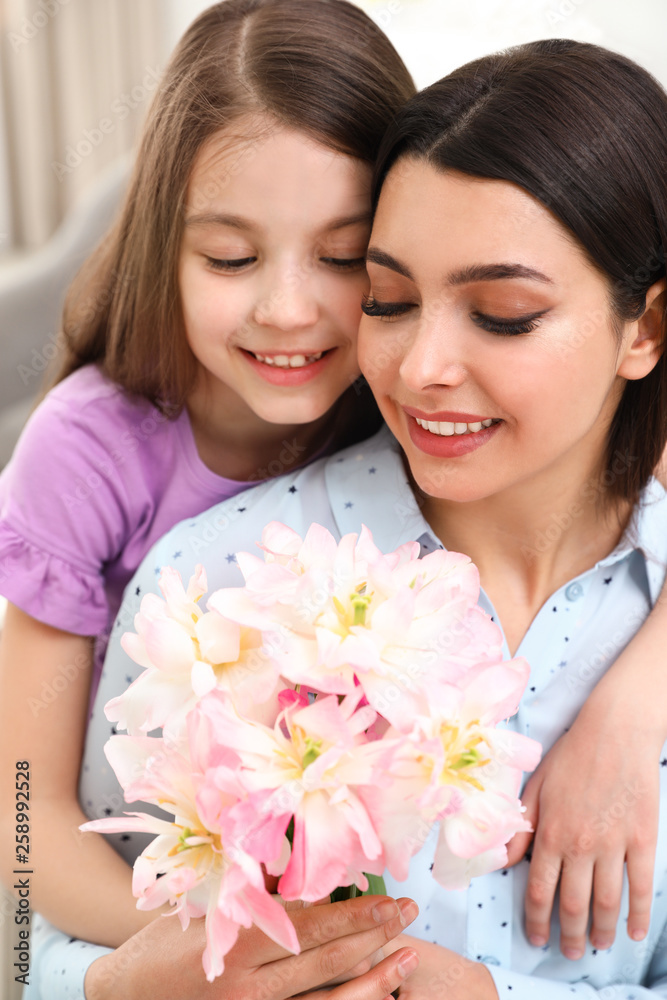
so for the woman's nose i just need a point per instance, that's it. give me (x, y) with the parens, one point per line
(434, 357)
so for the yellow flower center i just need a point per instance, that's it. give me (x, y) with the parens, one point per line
(355, 611)
(462, 756)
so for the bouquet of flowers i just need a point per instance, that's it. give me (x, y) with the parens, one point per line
(316, 724)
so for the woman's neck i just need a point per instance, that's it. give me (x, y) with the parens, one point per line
(528, 541)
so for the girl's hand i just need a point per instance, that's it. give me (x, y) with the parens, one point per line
(443, 973)
(163, 962)
(593, 802)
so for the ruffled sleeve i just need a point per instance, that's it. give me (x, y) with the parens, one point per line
(50, 589)
(63, 514)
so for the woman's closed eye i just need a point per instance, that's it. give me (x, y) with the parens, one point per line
(384, 310)
(507, 326)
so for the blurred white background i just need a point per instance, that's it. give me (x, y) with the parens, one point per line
(76, 76)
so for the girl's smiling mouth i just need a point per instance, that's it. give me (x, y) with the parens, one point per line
(289, 369)
(291, 360)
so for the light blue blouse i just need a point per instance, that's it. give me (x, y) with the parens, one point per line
(579, 631)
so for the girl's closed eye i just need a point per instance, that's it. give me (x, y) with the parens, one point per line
(344, 263)
(231, 264)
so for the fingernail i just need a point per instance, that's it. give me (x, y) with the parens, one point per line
(601, 945)
(385, 910)
(408, 964)
(638, 934)
(409, 911)
(572, 953)
(537, 940)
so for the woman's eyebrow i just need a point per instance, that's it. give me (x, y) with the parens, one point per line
(463, 275)
(376, 256)
(495, 272)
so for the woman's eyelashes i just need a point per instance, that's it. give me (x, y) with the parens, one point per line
(384, 310)
(506, 326)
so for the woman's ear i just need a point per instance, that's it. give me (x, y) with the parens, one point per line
(645, 338)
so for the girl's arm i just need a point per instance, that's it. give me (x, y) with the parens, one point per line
(594, 801)
(79, 883)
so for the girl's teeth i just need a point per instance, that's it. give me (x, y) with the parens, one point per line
(295, 361)
(445, 428)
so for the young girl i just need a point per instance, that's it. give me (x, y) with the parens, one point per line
(211, 343)
(514, 338)
(270, 170)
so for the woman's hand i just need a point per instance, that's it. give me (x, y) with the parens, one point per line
(163, 962)
(443, 973)
(593, 802)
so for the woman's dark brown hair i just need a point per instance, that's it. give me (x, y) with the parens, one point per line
(584, 130)
(322, 67)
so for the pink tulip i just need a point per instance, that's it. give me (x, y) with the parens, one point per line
(199, 862)
(187, 653)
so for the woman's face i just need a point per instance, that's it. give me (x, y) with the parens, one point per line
(272, 271)
(487, 336)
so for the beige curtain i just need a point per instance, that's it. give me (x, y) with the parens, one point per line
(77, 77)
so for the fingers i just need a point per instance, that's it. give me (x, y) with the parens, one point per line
(338, 957)
(575, 896)
(320, 925)
(640, 862)
(607, 891)
(301, 904)
(360, 969)
(517, 847)
(380, 982)
(542, 881)
(349, 934)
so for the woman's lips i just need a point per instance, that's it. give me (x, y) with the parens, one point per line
(461, 434)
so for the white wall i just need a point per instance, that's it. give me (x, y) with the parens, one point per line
(435, 36)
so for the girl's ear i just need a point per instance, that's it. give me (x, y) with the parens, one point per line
(646, 336)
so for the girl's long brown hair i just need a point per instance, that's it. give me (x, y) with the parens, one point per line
(322, 67)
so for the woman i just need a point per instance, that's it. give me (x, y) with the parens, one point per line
(514, 341)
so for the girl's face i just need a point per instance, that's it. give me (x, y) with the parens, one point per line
(272, 271)
(487, 338)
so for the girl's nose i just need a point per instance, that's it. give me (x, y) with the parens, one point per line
(289, 304)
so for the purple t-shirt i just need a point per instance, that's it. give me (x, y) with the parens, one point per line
(95, 479)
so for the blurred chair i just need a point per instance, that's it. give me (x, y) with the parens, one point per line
(32, 289)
